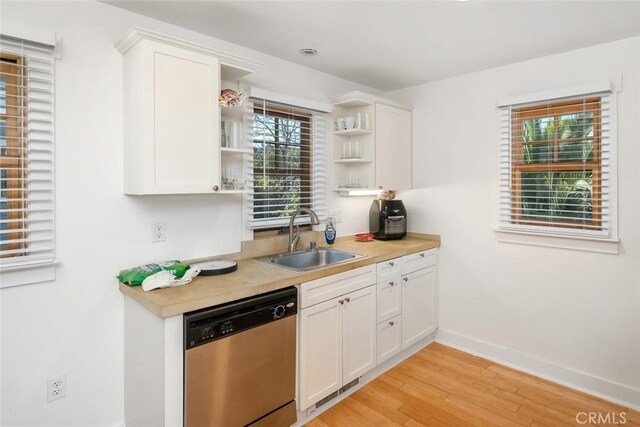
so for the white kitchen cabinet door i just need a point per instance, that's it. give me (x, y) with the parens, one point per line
(389, 339)
(393, 148)
(172, 120)
(358, 333)
(388, 296)
(419, 299)
(320, 346)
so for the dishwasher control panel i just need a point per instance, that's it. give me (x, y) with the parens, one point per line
(215, 323)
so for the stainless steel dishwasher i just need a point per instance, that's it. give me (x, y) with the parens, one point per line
(240, 363)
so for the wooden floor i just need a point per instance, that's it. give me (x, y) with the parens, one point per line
(443, 386)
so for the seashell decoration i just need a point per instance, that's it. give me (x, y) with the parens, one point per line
(387, 195)
(231, 98)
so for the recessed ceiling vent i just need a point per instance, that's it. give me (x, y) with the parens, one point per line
(308, 52)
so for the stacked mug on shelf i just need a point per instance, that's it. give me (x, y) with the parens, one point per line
(359, 121)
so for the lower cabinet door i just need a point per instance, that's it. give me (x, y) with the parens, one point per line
(389, 339)
(320, 369)
(358, 333)
(419, 315)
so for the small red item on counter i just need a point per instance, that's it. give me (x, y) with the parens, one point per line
(364, 237)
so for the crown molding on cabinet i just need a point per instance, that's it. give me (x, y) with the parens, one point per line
(358, 98)
(233, 67)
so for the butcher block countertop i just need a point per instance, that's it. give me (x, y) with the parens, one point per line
(255, 277)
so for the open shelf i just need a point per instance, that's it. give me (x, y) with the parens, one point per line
(353, 132)
(245, 191)
(236, 150)
(354, 160)
(231, 73)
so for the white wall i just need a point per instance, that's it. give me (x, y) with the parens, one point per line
(571, 315)
(75, 324)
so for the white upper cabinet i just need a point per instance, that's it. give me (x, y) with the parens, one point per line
(371, 144)
(393, 148)
(171, 115)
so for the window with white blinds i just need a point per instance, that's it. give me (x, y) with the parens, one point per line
(26, 154)
(288, 167)
(555, 172)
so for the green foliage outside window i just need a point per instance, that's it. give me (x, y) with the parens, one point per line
(281, 148)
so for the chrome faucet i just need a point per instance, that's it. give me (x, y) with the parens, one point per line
(293, 239)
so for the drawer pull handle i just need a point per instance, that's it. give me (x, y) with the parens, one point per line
(406, 279)
(347, 299)
(392, 323)
(341, 301)
(421, 255)
(391, 284)
(391, 264)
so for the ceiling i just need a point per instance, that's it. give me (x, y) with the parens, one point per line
(393, 44)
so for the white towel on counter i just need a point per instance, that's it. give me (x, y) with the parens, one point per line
(166, 279)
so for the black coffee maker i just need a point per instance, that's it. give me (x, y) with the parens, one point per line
(388, 219)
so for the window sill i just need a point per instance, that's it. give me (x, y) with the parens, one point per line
(578, 243)
(28, 274)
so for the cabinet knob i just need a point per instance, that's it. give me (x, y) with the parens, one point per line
(422, 255)
(379, 187)
(341, 301)
(391, 323)
(347, 299)
(391, 283)
(406, 279)
(391, 263)
(215, 188)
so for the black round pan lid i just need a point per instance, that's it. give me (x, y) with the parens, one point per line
(215, 268)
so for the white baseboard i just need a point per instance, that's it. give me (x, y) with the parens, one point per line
(609, 390)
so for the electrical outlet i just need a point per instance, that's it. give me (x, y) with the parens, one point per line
(56, 387)
(159, 230)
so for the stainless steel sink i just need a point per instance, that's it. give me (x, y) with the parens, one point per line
(310, 259)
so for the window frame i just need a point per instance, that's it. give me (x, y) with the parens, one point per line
(28, 164)
(304, 173)
(606, 241)
(13, 157)
(518, 166)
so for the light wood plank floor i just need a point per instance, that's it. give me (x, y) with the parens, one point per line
(443, 386)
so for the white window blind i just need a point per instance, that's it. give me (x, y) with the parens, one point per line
(288, 167)
(556, 166)
(26, 154)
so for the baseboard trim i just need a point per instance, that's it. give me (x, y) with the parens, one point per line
(605, 389)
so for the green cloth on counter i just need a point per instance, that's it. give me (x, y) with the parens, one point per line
(136, 275)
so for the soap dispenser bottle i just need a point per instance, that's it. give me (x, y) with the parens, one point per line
(330, 231)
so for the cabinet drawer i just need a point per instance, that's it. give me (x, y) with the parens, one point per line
(389, 269)
(325, 288)
(388, 297)
(389, 339)
(419, 260)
